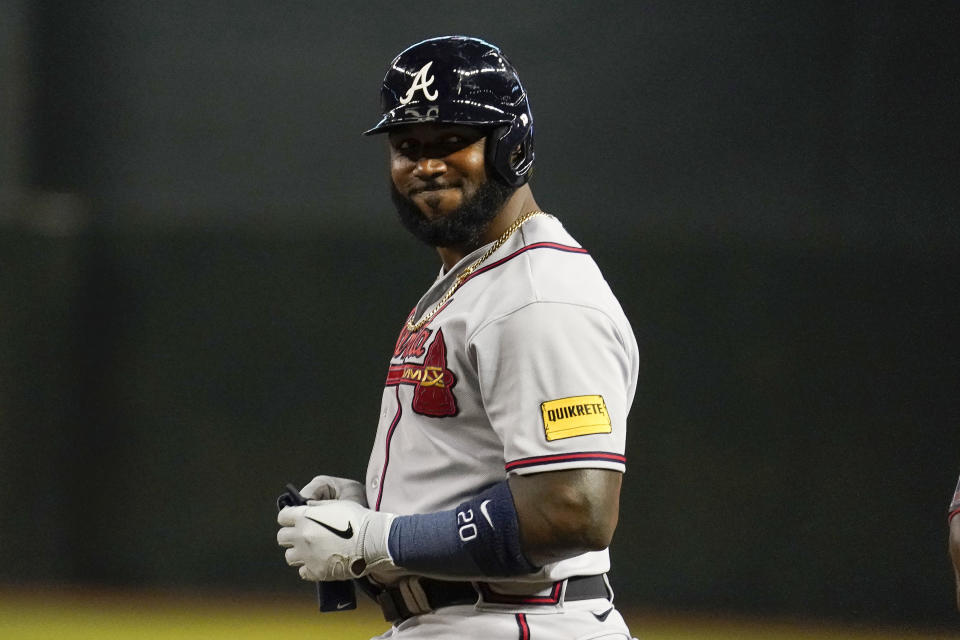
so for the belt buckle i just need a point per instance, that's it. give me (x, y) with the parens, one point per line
(414, 597)
(404, 600)
(392, 608)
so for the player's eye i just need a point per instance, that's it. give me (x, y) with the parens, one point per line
(407, 147)
(453, 142)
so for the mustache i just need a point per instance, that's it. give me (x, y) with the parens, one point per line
(433, 185)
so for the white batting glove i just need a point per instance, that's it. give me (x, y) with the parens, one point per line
(335, 540)
(333, 488)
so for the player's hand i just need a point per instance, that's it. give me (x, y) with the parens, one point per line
(333, 488)
(335, 539)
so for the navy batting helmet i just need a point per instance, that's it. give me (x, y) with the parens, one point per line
(461, 80)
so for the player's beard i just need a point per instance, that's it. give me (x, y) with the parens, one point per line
(462, 227)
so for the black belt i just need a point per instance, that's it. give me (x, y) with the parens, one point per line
(441, 593)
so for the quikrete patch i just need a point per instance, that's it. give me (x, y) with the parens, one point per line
(576, 416)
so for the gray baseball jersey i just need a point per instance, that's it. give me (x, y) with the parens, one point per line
(531, 366)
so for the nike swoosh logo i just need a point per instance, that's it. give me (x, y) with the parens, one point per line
(603, 616)
(342, 605)
(483, 510)
(346, 534)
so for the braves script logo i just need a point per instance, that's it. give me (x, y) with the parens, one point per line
(410, 343)
(433, 395)
(421, 82)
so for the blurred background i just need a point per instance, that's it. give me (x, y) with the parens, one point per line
(201, 280)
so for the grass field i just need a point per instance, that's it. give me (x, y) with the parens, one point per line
(107, 615)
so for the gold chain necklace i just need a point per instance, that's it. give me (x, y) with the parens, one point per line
(519, 222)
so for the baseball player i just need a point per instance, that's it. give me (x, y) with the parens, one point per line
(493, 485)
(954, 523)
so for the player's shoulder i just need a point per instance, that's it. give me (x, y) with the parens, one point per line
(557, 268)
(545, 264)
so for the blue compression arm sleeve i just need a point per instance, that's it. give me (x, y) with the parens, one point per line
(479, 537)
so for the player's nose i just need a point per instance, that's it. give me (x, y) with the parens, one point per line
(429, 167)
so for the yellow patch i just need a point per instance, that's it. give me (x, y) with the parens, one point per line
(576, 416)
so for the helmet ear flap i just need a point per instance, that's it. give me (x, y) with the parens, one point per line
(522, 157)
(511, 162)
(493, 144)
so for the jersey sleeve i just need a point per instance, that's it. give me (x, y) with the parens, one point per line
(556, 381)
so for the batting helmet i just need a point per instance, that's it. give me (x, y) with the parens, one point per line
(461, 80)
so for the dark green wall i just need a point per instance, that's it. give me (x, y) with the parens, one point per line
(791, 448)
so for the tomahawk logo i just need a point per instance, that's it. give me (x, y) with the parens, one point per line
(433, 395)
(434, 382)
(421, 82)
